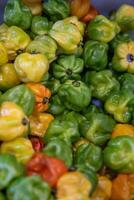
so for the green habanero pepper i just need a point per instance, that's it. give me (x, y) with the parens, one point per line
(119, 154)
(89, 155)
(29, 188)
(95, 55)
(101, 83)
(127, 81)
(56, 107)
(18, 14)
(10, 169)
(120, 105)
(75, 95)
(56, 9)
(52, 83)
(60, 149)
(102, 29)
(22, 96)
(123, 59)
(67, 67)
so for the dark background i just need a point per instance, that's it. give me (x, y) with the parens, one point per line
(104, 6)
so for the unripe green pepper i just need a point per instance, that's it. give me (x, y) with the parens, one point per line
(125, 17)
(18, 14)
(89, 155)
(127, 81)
(31, 67)
(56, 9)
(68, 67)
(21, 148)
(31, 188)
(101, 83)
(75, 95)
(53, 84)
(8, 77)
(40, 25)
(102, 29)
(119, 154)
(43, 44)
(95, 55)
(3, 54)
(60, 149)
(13, 121)
(56, 107)
(22, 96)
(123, 59)
(10, 169)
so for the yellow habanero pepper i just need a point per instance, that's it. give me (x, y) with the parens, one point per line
(3, 54)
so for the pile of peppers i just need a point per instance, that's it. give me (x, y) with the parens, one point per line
(66, 101)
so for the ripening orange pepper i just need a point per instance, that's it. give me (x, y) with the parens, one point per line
(92, 13)
(123, 129)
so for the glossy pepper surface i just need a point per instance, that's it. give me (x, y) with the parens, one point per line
(8, 77)
(13, 121)
(89, 155)
(24, 188)
(49, 168)
(71, 90)
(39, 123)
(97, 128)
(95, 55)
(101, 83)
(56, 9)
(3, 54)
(102, 29)
(67, 67)
(26, 62)
(10, 170)
(22, 96)
(118, 154)
(60, 149)
(18, 14)
(123, 59)
(21, 148)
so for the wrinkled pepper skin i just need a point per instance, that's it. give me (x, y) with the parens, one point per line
(31, 188)
(21, 148)
(95, 55)
(58, 148)
(125, 17)
(123, 129)
(56, 106)
(102, 29)
(3, 54)
(123, 59)
(56, 9)
(14, 39)
(120, 105)
(119, 154)
(39, 123)
(49, 168)
(68, 67)
(43, 44)
(42, 96)
(97, 128)
(68, 34)
(127, 81)
(22, 96)
(66, 130)
(40, 25)
(13, 122)
(18, 14)
(73, 185)
(8, 77)
(31, 67)
(75, 95)
(101, 83)
(10, 169)
(89, 155)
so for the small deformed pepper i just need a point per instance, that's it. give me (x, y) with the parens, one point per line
(21, 148)
(123, 59)
(18, 14)
(13, 121)
(49, 168)
(39, 123)
(10, 169)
